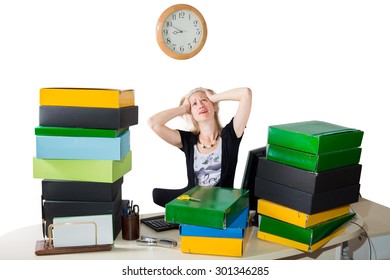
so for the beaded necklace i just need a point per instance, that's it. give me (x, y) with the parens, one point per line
(211, 145)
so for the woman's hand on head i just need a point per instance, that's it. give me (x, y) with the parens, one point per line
(185, 103)
(211, 95)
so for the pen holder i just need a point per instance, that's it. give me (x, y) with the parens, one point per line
(130, 227)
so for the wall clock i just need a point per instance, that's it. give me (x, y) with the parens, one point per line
(181, 31)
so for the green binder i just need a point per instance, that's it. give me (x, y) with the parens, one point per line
(217, 208)
(314, 163)
(315, 137)
(78, 131)
(105, 171)
(310, 235)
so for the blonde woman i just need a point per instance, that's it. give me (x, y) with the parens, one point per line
(211, 151)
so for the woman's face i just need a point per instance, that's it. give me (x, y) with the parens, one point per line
(201, 107)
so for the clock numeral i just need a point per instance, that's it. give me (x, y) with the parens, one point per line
(190, 46)
(165, 32)
(169, 23)
(182, 14)
(195, 41)
(168, 41)
(198, 31)
(195, 22)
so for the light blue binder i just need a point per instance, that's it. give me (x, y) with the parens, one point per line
(95, 148)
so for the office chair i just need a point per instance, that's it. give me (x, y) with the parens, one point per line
(163, 196)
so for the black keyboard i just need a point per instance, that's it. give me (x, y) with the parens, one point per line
(158, 223)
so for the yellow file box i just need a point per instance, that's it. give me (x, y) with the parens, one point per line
(87, 97)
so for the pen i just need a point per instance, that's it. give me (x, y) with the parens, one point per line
(124, 211)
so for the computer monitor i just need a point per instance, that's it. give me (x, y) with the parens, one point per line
(248, 180)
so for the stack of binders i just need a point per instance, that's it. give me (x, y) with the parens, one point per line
(306, 183)
(213, 220)
(82, 153)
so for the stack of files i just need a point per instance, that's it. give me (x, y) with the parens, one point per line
(286, 175)
(302, 231)
(87, 108)
(216, 223)
(311, 167)
(308, 192)
(72, 198)
(83, 134)
(82, 154)
(314, 145)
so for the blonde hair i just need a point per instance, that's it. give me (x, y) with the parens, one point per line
(195, 126)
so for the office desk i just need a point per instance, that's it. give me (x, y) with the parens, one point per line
(377, 225)
(376, 217)
(20, 244)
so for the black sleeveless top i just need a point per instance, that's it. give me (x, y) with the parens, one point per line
(230, 147)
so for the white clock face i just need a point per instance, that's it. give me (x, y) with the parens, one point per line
(182, 31)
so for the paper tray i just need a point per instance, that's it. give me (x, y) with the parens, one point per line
(45, 247)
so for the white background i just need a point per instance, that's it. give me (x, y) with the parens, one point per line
(303, 60)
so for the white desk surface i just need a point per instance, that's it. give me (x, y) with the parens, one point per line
(20, 244)
(376, 217)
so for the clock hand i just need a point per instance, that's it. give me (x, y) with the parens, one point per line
(179, 31)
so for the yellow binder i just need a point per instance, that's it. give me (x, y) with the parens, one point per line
(234, 247)
(295, 217)
(86, 97)
(298, 245)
